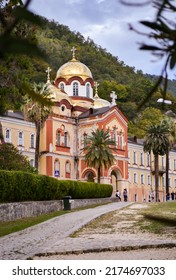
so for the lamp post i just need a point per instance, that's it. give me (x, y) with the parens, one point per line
(165, 101)
(169, 102)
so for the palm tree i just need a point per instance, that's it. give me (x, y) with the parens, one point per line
(171, 127)
(156, 141)
(98, 148)
(38, 112)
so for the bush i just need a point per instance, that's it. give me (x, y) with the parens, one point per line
(12, 159)
(18, 186)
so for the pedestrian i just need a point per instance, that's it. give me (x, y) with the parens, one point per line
(168, 196)
(118, 195)
(172, 195)
(125, 195)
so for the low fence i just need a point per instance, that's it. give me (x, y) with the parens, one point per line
(14, 211)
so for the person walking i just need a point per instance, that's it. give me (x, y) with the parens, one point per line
(125, 195)
(118, 195)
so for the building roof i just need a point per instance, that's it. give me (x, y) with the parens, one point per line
(16, 115)
(73, 68)
(94, 112)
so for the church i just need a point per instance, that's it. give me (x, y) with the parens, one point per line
(77, 111)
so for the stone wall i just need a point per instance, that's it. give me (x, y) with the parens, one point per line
(14, 211)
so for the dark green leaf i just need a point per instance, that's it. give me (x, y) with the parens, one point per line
(152, 25)
(150, 48)
(23, 14)
(19, 46)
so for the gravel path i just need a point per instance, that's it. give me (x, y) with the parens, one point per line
(51, 235)
(111, 238)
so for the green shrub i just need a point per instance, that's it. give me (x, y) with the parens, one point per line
(13, 159)
(18, 186)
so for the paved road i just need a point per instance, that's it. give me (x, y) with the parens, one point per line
(53, 236)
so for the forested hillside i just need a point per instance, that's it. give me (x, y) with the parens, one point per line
(56, 40)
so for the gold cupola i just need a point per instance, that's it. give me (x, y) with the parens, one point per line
(73, 68)
(99, 102)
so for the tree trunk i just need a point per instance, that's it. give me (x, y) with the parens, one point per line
(167, 173)
(1, 135)
(98, 175)
(37, 146)
(156, 178)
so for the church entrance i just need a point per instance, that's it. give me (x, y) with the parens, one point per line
(115, 177)
(90, 176)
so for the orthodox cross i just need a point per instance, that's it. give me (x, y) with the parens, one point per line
(113, 95)
(96, 89)
(48, 70)
(73, 51)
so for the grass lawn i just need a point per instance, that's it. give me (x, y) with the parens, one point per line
(13, 226)
(159, 217)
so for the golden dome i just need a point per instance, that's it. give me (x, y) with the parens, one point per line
(99, 102)
(73, 68)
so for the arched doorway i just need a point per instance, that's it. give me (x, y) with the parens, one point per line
(89, 175)
(115, 178)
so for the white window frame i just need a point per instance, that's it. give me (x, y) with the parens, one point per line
(88, 90)
(75, 89)
(149, 180)
(62, 86)
(32, 140)
(142, 179)
(135, 178)
(134, 157)
(8, 139)
(20, 138)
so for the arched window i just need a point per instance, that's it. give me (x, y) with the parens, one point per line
(88, 90)
(7, 135)
(65, 139)
(114, 135)
(142, 158)
(85, 140)
(32, 141)
(121, 142)
(62, 86)
(20, 138)
(56, 168)
(148, 159)
(31, 162)
(58, 140)
(75, 89)
(67, 167)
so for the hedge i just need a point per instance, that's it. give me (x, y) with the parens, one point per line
(18, 186)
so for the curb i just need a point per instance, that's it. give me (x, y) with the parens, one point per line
(108, 249)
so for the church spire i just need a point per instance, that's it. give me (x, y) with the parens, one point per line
(73, 50)
(113, 95)
(96, 90)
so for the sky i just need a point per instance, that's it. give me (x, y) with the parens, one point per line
(106, 22)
